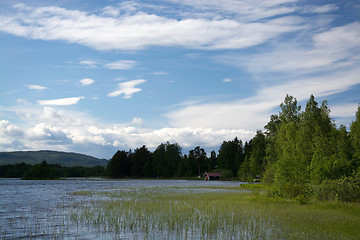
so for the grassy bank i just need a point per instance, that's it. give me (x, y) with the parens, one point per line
(215, 213)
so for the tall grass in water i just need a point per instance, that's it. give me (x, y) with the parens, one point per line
(169, 213)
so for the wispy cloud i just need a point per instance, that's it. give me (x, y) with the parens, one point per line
(121, 65)
(86, 81)
(329, 50)
(318, 9)
(159, 73)
(89, 63)
(140, 30)
(226, 80)
(253, 113)
(127, 88)
(60, 101)
(36, 87)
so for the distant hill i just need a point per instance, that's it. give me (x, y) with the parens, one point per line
(51, 157)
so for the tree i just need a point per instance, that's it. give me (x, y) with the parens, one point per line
(290, 111)
(244, 170)
(229, 155)
(291, 176)
(40, 171)
(256, 160)
(139, 160)
(198, 155)
(159, 160)
(166, 159)
(273, 125)
(119, 165)
(212, 161)
(355, 138)
(172, 158)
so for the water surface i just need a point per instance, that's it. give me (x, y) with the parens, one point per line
(41, 209)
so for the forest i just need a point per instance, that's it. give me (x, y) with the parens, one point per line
(48, 171)
(300, 153)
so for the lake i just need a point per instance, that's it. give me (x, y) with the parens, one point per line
(41, 209)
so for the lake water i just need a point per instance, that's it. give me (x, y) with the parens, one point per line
(41, 209)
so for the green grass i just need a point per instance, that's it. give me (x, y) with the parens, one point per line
(175, 213)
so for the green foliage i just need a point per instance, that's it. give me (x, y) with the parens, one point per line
(256, 160)
(291, 175)
(346, 189)
(141, 163)
(306, 148)
(355, 138)
(212, 161)
(290, 111)
(48, 171)
(40, 171)
(244, 173)
(13, 171)
(166, 159)
(225, 173)
(119, 165)
(198, 155)
(231, 155)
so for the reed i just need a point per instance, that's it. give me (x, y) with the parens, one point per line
(168, 213)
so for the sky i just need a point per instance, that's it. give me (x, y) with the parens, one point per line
(95, 77)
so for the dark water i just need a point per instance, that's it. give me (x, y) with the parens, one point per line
(37, 209)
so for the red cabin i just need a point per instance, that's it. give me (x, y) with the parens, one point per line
(212, 176)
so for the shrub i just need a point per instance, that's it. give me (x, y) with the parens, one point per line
(225, 173)
(346, 189)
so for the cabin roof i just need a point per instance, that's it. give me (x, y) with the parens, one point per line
(213, 174)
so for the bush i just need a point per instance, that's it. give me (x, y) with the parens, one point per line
(346, 189)
(225, 173)
(292, 190)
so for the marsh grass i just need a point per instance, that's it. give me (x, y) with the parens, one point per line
(214, 213)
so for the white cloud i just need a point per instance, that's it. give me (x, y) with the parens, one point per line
(121, 65)
(344, 110)
(36, 87)
(318, 9)
(86, 81)
(60, 101)
(89, 63)
(140, 30)
(127, 88)
(245, 10)
(159, 73)
(110, 11)
(22, 101)
(226, 80)
(137, 122)
(327, 51)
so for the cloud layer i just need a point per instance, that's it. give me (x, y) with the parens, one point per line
(140, 30)
(53, 129)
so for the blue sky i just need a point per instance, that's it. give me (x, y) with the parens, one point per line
(97, 76)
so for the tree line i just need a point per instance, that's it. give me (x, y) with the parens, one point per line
(48, 171)
(300, 153)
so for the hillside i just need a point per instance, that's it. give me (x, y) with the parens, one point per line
(51, 157)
